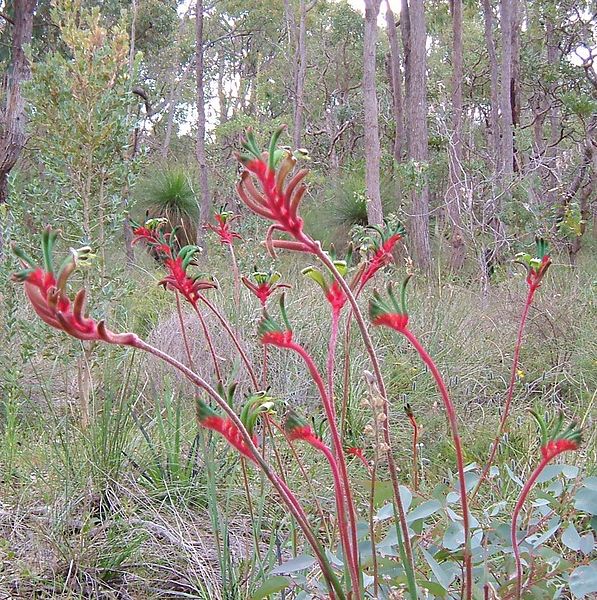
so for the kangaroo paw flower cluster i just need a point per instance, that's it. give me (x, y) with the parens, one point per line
(537, 265)
(222, 229)
(390, 312)
(274, 334)
(177, 263)
(45, 287)
(263, 284)
(382, 244)
(275, 198)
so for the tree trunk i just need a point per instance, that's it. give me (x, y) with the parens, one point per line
(494, 146)
(13, 117)
(507, 145)
(205, 202)
(371, 124)
(301, 71)
(396, 86)
(415, 55)
(454, 193)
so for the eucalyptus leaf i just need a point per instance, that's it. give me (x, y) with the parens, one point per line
(571, 538)
(583, 580)
(299, 563)
(271, 586)
(443, 576)
(424, 510)
(586, 500)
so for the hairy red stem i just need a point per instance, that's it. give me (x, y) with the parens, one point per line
(453, 422)
(209, 341)
(350, 552)
(332, 356)
(285, 493)
(510, 393)
(234, 339)
(513, 527)
(405, 546)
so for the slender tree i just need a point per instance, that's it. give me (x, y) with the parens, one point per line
(205, 202)
(13, 117)
(414, 37)
(395, 77)
(456, 168)
(371, 119)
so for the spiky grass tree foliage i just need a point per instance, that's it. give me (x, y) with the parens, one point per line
(168, 193)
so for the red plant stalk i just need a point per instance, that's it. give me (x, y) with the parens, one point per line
(234, 339)
(46, 293)
(236, 276)
(453, 422)
(510, 392)
(405, 547)
(332, 357)
(554, 443)
(415, 426)
(209, 341)
(285, 493)
(351, 553)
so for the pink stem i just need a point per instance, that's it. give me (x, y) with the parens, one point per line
(358, 316)
(209, 341)
(285, 493)
(332, 356)
(236, 275)
(351, 554)
(342, 522)
(510, 393)
(513, 528)
(452, 420)
(234, 339)
(264, 372)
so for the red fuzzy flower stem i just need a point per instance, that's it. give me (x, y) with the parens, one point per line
(513, 527)
(287, 496)
(236, 275)
(332, 356)
(415, 427)
(234, 339)
(510, 392)
(351, 553)
(402, 528)
(451, 414)
(340, 507)
(209, 341)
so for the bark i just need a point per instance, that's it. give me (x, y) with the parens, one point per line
(415, 56)
(453, 196)
(205, 202)
(13, 117)
(494, 146)
(301, 71)
(399, 147)
(507, 145)
(515, 94)
(371, 116)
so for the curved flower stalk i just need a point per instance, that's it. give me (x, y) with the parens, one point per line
(392, 313)
(281, 336)
(263, 284)
(336, 298)
(296, 428)
(381, 244)
(555, 440)
(536, 268)
(277, 200)
(410, 415)
(280, 205)
(224, 218)
(45, 288)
